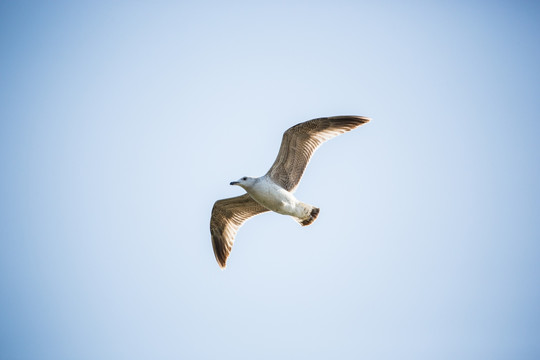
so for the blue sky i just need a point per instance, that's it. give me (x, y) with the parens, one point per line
(122, 122)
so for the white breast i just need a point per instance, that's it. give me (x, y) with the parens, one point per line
(273, 196)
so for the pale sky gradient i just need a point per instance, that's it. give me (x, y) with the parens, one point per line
(122, 122)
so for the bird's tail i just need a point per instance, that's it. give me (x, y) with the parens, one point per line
(312, 214)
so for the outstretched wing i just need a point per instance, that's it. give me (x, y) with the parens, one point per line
(227, 217)
(300, 142)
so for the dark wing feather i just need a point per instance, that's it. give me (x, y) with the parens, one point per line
(300, 142)
(227, 217)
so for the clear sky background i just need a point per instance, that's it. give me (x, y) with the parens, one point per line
(122, 123)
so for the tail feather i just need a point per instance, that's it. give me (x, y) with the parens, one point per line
(311, 218)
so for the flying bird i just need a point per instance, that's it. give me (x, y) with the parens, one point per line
(274, 190)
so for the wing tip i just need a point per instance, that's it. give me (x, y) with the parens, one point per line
(222, 264)
(221, 260)
(221, 257)
(352, 121)
(364, 119)
(221, 252)
(358, 118)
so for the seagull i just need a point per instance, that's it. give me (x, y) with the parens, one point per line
(274, 190)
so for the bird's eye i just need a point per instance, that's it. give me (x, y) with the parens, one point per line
(244, 178)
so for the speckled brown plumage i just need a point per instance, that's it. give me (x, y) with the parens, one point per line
(227, 217)
(300, 142)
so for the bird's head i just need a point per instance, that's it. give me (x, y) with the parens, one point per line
(244, 182)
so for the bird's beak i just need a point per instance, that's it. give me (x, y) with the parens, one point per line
(234, 183)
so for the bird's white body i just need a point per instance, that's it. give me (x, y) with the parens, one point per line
(273, 197)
